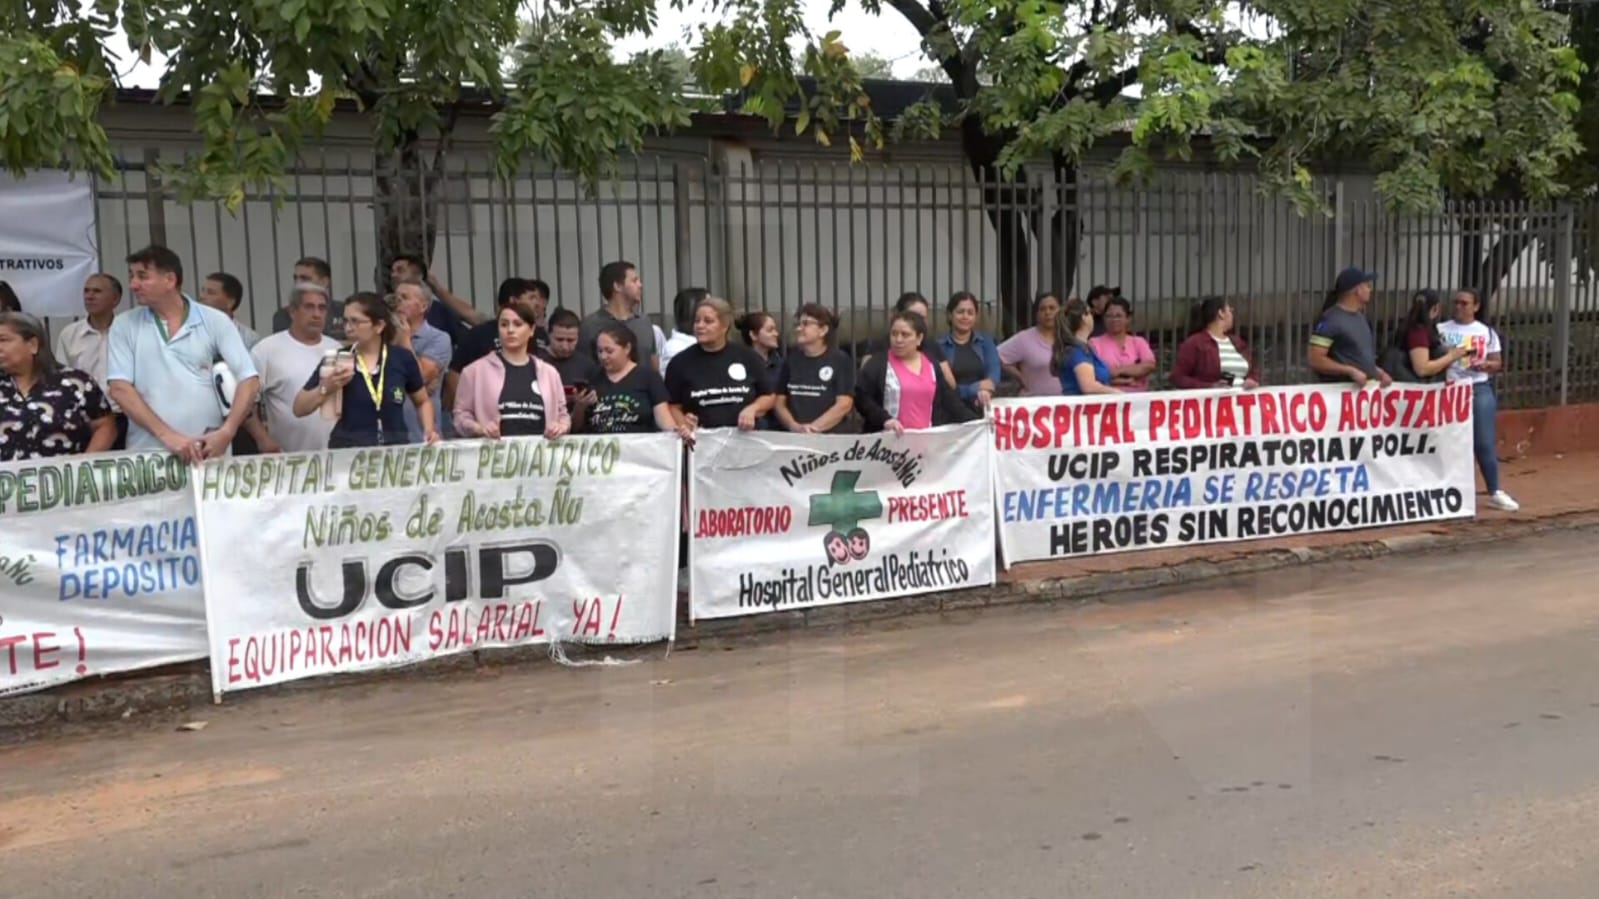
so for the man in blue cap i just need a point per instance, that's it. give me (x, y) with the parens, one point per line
(1343, 346)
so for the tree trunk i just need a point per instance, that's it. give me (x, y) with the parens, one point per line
(1066, 226)
(405, 204)
(1485, 258)
(1010, 206)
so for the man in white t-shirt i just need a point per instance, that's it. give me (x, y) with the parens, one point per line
(285, 361)
(682, 336)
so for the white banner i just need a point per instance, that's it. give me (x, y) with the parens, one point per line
(787, 521)
(47, 245)
(361, 559)
(99, 568)
(1084, 475)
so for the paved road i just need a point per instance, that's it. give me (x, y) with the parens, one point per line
(1415, 727)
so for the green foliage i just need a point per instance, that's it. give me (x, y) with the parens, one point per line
(576, 105)
(1442, 98)
(47, 108)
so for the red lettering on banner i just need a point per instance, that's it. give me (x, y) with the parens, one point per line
(587, 616)
(37, 651)
(1183, 419)
(744, 522)
(258, 659)
(1429, 411)
(927, 506)
(40, 650)
(1062, 424)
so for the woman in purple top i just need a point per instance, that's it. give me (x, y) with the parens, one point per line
(1026, 355)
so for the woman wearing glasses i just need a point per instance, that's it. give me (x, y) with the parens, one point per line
(816, 384)
(370, 382)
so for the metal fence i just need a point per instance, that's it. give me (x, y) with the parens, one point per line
(771, 234)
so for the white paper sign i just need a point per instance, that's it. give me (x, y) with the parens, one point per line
(47, 242)
(99, 568)
(1084, 475)
(362, 559)
(787, 521)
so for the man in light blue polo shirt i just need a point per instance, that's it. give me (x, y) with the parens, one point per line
(160, 359)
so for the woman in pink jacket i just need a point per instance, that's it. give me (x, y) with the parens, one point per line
(512, 393)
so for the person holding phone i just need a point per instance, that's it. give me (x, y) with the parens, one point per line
(371, 381)
(578, 372)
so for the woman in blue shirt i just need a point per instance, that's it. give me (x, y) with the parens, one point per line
(1081, 371)
(971, 354)
(368, 385)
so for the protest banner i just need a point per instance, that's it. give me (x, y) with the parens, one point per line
(99, 568)
(1083, 475)
(47, 239)
(786, 521)
(360, 559)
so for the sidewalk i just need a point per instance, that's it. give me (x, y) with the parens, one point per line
(1548, 487)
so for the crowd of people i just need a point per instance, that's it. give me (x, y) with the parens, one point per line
(421, 364)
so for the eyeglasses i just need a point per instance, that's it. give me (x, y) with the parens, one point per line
(354, 322)
(807, 323)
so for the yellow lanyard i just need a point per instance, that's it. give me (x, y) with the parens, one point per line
(383, 372)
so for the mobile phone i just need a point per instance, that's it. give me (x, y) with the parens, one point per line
(578, 386)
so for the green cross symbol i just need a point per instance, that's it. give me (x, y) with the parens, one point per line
(842, 507)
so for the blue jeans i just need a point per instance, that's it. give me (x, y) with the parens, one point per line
(1484, 436)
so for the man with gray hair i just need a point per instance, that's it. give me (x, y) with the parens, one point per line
(285, 360)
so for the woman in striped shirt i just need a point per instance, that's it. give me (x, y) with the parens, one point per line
(1213, 356)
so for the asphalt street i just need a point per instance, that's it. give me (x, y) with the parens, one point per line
(1413, 726)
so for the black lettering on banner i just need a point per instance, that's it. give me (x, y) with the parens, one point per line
(495, 574)
(1203, 526)
(1083, 466)
(1075, 538)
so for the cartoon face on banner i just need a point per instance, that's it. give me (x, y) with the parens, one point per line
(842, 509)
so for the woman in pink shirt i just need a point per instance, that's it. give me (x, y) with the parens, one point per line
(1026, 355)
(1128, 356)
(900, 390)
(511, 392)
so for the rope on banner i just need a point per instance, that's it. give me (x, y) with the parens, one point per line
(558, 656)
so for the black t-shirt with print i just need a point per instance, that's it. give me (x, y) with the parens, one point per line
(814, 384)
(715, 387)
(521, 406)
(627, 406)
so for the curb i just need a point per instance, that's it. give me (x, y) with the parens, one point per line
(189, 686)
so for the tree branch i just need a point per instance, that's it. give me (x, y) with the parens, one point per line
(446, 132)
(931, 20)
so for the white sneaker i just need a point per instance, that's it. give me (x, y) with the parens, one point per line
(1502, 501)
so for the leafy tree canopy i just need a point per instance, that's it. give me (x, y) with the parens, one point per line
(1458, 97)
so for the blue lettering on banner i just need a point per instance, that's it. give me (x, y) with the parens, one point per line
(1278, 486)
(1103, 498)
(131, 561)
